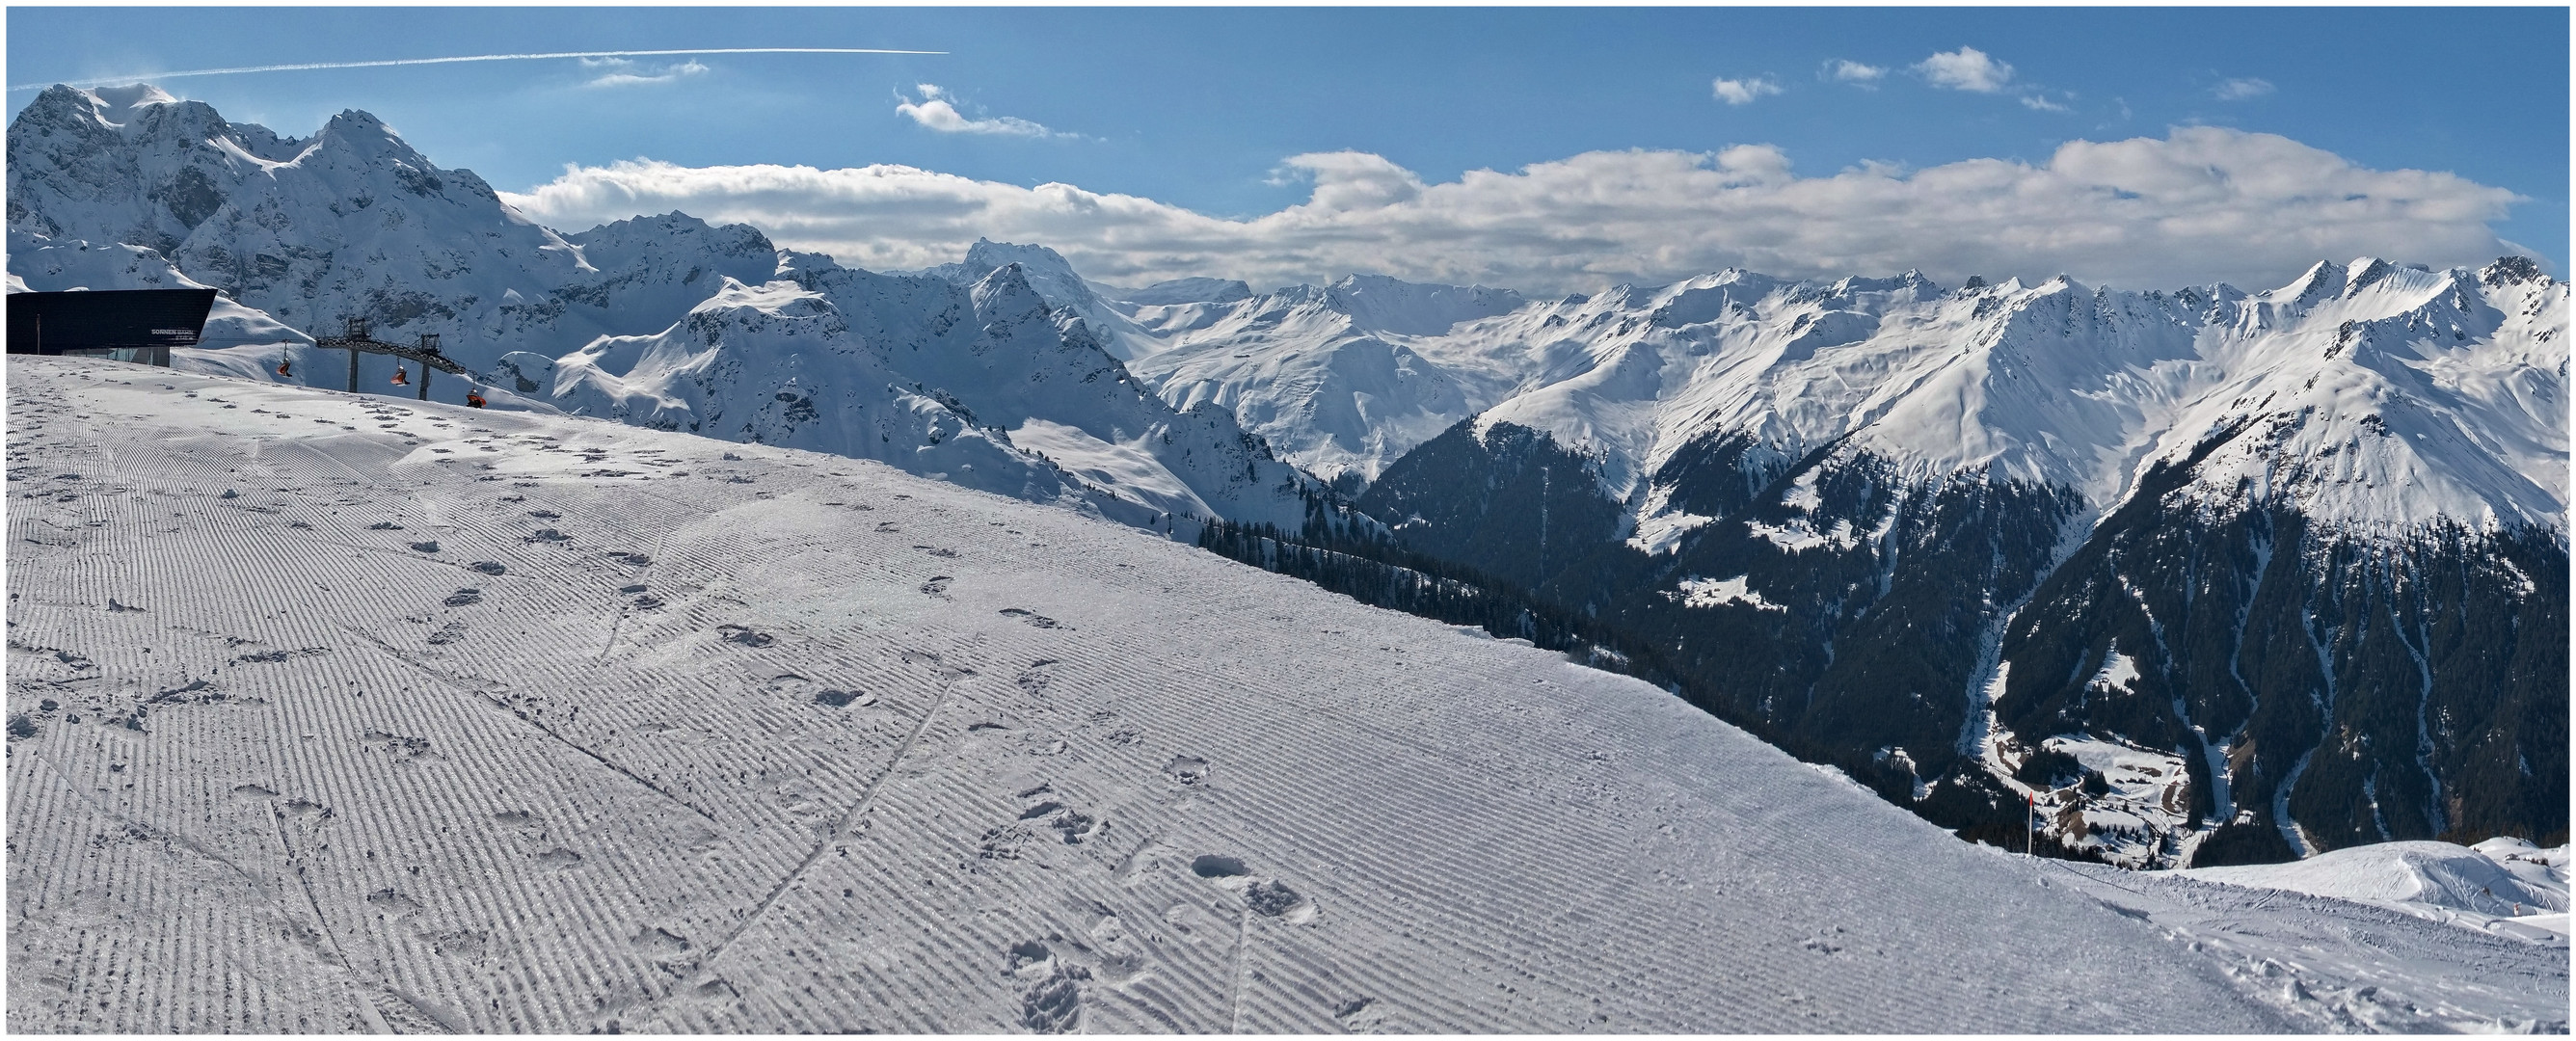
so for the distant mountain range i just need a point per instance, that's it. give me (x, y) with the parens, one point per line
(2212, 575)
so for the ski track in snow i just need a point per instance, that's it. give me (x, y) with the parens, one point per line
(793, 742)
(2342, 966)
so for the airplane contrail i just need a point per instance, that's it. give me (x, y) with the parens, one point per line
(301, 66)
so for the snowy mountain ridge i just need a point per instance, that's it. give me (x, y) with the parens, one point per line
(2385, 394)
(2380, 393)
(666, 321)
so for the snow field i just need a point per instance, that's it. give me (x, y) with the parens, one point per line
(2345, 967)
(792, 742)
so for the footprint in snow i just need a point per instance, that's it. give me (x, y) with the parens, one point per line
(464, 943)
(1033, 618)
(1361, 1015)
(392, 904)
(1272, 899)
(1050, 987)
(1035, 680)
(1267, 897)
(397, 745)
(659, 941)
(794, 687)
(744, 636)
(1187, 769)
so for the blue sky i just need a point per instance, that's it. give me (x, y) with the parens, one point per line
(1199, 110)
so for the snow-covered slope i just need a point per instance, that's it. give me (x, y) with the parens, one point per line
(496, 721)
(2502, 887)
(1342, 378)
(2358, 966)
(984, 385)
(2437, 874)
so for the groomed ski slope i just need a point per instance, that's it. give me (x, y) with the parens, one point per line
(793, 742)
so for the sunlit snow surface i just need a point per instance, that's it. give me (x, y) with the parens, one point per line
(402, 716)
(2504, 886)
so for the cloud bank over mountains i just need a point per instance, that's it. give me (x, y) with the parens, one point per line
(2198, 205)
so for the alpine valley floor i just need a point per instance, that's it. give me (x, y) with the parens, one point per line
(336, 713)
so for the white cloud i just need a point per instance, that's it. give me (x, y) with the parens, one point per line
(1847, 71)
(2240, 89)
(1351, 182)
(627, 73)
(2041, 104)
(1743, 91)
(936, 112)
(2200, 204)
(1965, 69)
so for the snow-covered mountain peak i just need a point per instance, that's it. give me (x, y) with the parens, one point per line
(1043, 269)
(2513, 270)
(1911, 280)
(117, 106)
(1047, 273)
(2324, 280)
(638, 275)
(1005, 296)
(988, 254)
(358, 141)
(619, 244)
